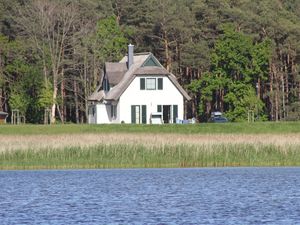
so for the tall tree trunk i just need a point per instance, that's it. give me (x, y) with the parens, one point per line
(62, 105)
(167, 53)
(1, 90)
(1, 99)
(276, 96)
(86, 87)
(271, 92)
(76, 101)
(283, 95)
(53, 120)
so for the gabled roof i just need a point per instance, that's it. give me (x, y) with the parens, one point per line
(124, 77)
(117, 91)
(115, 72)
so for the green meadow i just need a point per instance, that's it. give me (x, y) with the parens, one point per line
(202, 128)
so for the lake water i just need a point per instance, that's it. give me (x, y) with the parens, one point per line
(151, 196)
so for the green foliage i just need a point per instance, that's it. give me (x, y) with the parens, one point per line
(237, 64)
(45, 97)
(19, 101)
(232, 55)
(224, 49)
(111, 42)
(242, 99)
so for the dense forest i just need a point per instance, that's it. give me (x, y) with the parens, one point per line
(240, 57)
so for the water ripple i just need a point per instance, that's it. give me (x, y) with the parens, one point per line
(154, 196)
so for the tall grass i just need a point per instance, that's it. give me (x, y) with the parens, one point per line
(140, 156)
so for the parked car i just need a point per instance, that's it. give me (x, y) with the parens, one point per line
(217, 117)
(220, 119)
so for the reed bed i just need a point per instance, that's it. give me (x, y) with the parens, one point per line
(142, 156)
(36, 142)
(134, 146)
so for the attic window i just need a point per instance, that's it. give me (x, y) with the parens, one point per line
(150, 83)
(151, 61)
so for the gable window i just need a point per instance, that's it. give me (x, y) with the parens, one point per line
(150, 83)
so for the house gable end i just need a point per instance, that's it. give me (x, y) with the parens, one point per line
(151, 61)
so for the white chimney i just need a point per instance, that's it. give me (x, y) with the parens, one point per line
(130, 55)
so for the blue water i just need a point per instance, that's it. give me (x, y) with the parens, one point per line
(151, 196)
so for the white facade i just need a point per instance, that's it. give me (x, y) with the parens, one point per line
(169, 96)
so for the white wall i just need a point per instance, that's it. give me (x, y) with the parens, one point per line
(134, 96)
(102, 114)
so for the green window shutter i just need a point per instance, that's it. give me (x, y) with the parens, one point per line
(133, 118)
(175, 113)
(144, 114)
(160, 84)
(159, 108)
(142, 83)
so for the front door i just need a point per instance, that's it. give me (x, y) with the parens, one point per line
(167, 113)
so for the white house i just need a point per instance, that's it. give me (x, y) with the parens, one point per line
(136, 90)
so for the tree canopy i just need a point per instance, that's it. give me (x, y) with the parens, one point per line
(232, 56)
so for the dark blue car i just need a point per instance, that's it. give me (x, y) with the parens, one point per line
(218, 120)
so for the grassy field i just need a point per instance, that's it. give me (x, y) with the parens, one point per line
(203, 128)
(141, 146)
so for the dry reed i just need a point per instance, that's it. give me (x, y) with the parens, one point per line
(36, 142)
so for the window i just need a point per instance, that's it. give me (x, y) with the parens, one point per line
(159, 108)
(151, 83)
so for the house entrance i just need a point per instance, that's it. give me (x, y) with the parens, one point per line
(167, 113)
